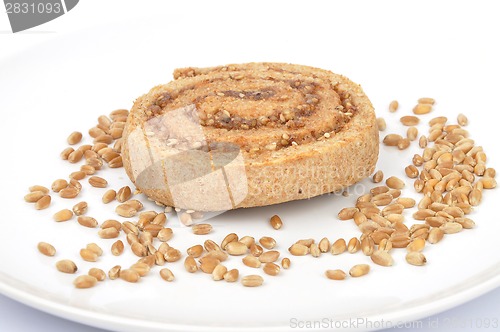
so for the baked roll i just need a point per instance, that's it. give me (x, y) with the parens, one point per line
(249, 135)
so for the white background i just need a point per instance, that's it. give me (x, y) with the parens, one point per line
(445, 17)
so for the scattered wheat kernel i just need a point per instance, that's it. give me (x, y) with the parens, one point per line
(201, 229)
(359, 270)
(378, 176)
(416, 258)
(167, 275)
(85, 281)
(276, 222)
(409, 120)
(46, 248)
(382, 257)
(74, 138)
(462, 120)
(43, 202)
(130, 275)
(108, 196)
(231, 275)
(285, 263)
(267, 242)
(393, 106)
(422, 109)
(98, 182)
(97, 273)
(335, 274)
(412, 133)
(252, 281)
(381, 124)
(392, 139)
(66, 266)
(80, 208)
(63, 215)
(395, 183)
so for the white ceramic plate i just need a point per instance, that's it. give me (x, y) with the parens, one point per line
(63, 85)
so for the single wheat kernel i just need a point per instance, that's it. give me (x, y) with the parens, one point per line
(276, 222)
(80, 208)
(75, 156)
(114, 272)
(251, 261)
(412, 133)
(378, 176)
(285, 263)
(335, 274)
(108, 233)
(298, 249)
(85, 281)
(422, 108)
(395, 183)
(392, 139)
(87, 221)
(347, 213)
(43, 202)
(208, 264)
(367, 246)
(236, 248)
(88, 255)
(382, 257)
(422, 142)
(417, 244)
(97, 273)
(252, 281)
(69, 192)
(201, 229)
(231, 237)
(462, 120)
(190, 264)
(409, 120)
(74, 138)
(393, 106)
(46, 248)
(172, 255)
(354, 245)
(130, 275)
(267, 242)
(219, 272)
(271, 269)
(270, 256)
(66, 266)
(63, 215)
(338, 247)
(125, 211)
(108, 196)
(117, 248)
(232, 275)
(403, 144)
(381, 124)
(98, 182)
(324, 245)
(359, 270)
(167, 275)
(416, 258)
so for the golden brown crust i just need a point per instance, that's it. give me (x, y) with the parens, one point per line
(299, 132)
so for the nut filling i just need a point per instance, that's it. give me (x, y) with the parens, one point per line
(234, 101)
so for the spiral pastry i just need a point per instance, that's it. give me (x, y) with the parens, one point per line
(249, 135)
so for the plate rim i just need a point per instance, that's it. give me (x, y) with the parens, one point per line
(109, 321)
